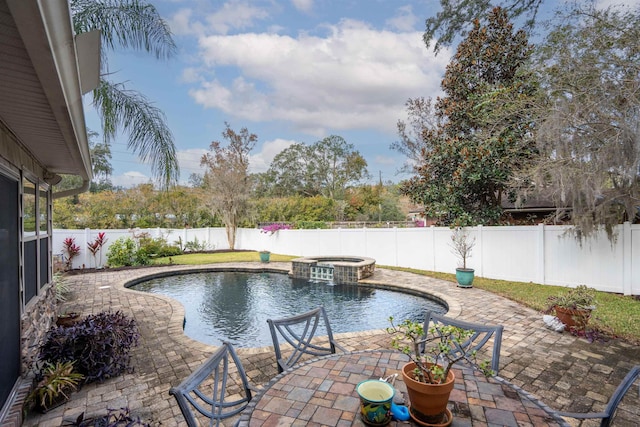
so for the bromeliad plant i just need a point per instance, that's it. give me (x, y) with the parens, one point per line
(578, 298)
(55, 381)
(444, 345)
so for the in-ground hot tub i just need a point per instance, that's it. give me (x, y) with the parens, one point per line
(339, 269)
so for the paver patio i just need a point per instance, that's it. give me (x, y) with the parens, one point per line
(563, 371)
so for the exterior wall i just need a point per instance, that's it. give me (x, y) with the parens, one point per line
(37, 315)
(12, 153)
(539, 254)
(36, 321)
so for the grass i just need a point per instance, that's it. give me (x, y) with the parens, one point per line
(616, 315)
(218, 257)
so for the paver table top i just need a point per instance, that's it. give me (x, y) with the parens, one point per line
(323, 392)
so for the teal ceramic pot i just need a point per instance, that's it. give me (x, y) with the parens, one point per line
(264, 256)
(375, 402)
(464, 276)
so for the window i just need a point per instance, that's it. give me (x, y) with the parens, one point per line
(36, 237)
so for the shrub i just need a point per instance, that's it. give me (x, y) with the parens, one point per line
(99, 345)
(311, 225)
(122, 252)
(113, 418)
(158, 247)
(71, 251)
(274, 228)
(61, 286)
(196, 246)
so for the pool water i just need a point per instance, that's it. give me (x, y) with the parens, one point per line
(235, 306)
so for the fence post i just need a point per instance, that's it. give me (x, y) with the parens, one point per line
(85, 247)
(627, 287)
(540, 261)
(396, 246)
(479, 250)
(432, 232)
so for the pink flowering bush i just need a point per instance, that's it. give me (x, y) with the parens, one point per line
(272, 228)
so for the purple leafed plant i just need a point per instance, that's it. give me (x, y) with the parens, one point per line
(99, 345)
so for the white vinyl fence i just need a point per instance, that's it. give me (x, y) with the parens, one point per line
(540, 254)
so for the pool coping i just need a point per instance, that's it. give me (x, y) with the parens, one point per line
(176, 322)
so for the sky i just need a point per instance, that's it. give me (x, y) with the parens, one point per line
(290, 71)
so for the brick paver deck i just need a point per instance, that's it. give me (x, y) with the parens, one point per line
(323, 392)
(565, 372)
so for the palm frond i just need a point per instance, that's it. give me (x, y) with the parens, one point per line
(131, 24)
(149, 136)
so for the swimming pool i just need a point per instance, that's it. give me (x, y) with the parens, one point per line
(234, 306)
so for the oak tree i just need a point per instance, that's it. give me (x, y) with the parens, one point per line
(589, 123)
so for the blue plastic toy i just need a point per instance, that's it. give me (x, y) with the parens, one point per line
(399, 412)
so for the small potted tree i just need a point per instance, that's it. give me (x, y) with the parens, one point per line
(461, 246)
(574, 307)
(428, 376)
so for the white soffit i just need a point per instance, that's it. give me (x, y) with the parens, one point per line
(40, 96)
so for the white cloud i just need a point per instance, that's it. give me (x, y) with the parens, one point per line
(303, 5)
(232, 15)
(355, 77)
(404, 20)
(181, 23)
(261, 161)
(190, 75)
(130, 179)
(235, 15)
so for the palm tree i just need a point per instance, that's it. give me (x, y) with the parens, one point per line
(131, 24)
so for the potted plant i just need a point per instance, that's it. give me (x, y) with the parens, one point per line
(461, 246)
(53, 385)
(264, 256)
(574, 307)
(69, 318)
(270, 230)
(428, 376)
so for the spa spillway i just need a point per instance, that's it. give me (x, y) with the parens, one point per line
(336, 269)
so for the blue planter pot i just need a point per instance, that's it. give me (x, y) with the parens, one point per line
(464, 276)
(264, 256)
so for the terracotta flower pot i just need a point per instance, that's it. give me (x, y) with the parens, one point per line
(573, 318)
(428, 401)
(68, 319)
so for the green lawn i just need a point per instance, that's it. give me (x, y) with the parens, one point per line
(616, 315)
(216, 257)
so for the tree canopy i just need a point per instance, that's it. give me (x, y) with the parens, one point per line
(589, 121)
(327, 167)
(227, 179)
(472, 139)
(131, 24)
(457, 17)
